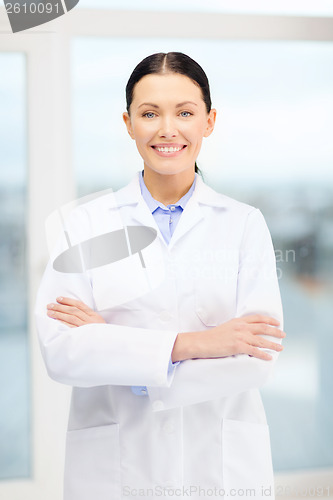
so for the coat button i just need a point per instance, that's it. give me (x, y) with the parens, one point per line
(158, 405)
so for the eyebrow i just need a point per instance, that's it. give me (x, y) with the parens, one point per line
(185, 102)
(177, 105)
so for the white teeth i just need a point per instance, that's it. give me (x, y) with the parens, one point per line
(168, 150)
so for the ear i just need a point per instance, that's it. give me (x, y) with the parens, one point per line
(127, 120)
(210, 122)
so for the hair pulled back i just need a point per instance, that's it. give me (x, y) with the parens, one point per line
(171, 62)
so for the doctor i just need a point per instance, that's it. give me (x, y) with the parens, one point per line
(165, 399)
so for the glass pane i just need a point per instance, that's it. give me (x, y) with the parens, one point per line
(14, 349)
(272, 147)
(276, 7)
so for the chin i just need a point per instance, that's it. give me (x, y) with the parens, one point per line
(169, 169)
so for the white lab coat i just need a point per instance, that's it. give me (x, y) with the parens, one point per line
(202, 429)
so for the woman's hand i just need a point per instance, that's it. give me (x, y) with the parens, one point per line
(72, 312)
(237, 336)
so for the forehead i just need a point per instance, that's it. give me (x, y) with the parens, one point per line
(169, 87)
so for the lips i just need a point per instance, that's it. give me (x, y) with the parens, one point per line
(168, 149)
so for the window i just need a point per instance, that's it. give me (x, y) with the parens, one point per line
(14, 348)
(272, 148)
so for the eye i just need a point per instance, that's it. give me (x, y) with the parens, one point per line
(185, 114)
(149, 114)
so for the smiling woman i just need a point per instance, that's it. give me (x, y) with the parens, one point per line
(174, 373)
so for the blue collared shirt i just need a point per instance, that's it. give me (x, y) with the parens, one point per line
(167, 218)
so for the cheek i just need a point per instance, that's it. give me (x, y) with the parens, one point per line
(143, 134)
(194, 132)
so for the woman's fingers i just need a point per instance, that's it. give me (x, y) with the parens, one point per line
(70, 319)
(262, 329)
(257, 353)
(266, 344)
(70, 310)
(67, 301)
(258, 324)
(253, 332)
(254, 345)
(73, 312)
(260, 318)
(68, 324)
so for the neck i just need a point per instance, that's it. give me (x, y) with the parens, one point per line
(168, 189)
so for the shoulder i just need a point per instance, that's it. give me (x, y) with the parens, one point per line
(206, 195)
(93, 215)
(223, 211)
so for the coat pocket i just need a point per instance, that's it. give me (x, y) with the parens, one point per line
(92, 465)
(247, 462)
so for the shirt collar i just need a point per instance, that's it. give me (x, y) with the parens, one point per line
(202, 194)
(154, 204)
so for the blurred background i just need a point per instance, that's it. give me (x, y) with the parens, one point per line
(62, 94)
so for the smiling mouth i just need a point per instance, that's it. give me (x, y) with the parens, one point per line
(169, 149)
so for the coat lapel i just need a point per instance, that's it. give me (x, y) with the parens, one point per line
(139, 214)
(192, 215)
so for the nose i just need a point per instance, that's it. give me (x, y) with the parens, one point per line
(168, 128)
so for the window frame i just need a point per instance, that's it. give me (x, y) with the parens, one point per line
(48, 162)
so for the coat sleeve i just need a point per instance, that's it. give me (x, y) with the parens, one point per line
(200, 380)
(97, 354)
